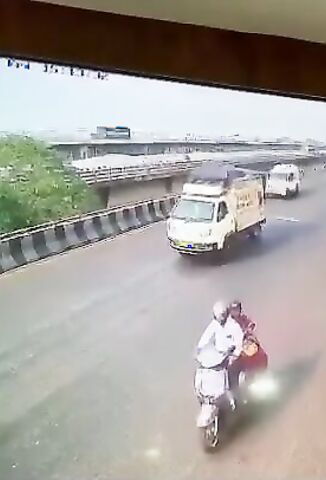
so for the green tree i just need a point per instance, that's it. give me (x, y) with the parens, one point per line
(35, 186)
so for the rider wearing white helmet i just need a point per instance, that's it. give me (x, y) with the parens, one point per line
(223, 331)
(220, 312)
(225, 335)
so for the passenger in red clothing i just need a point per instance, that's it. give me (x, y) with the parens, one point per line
(237, 314)
(253, 357)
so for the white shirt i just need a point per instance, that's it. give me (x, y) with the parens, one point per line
(223, 337)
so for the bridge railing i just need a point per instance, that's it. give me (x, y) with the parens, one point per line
(102, 175)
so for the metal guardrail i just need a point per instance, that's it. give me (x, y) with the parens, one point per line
(81, 218)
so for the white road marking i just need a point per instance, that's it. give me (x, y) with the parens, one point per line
(287, 219)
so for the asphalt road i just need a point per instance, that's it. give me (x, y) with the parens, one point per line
(96, 352)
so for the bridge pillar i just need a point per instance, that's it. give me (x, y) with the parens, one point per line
(103, 193)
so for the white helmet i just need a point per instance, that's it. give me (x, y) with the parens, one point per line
(219, 310)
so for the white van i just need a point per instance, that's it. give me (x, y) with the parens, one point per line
(283, 180)
(208, 214)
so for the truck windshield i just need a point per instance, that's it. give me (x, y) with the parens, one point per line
(194, 210)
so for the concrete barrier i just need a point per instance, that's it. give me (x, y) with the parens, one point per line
(34, 244)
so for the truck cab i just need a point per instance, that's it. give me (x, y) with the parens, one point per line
(200, 223)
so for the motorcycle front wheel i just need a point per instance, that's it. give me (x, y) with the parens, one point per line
(210, 436)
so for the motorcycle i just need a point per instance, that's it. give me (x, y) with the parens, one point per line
(212, 390)
(220, 409)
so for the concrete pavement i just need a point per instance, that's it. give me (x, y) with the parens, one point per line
(96, 354)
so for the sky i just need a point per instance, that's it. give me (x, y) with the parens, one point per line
(33, 100)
